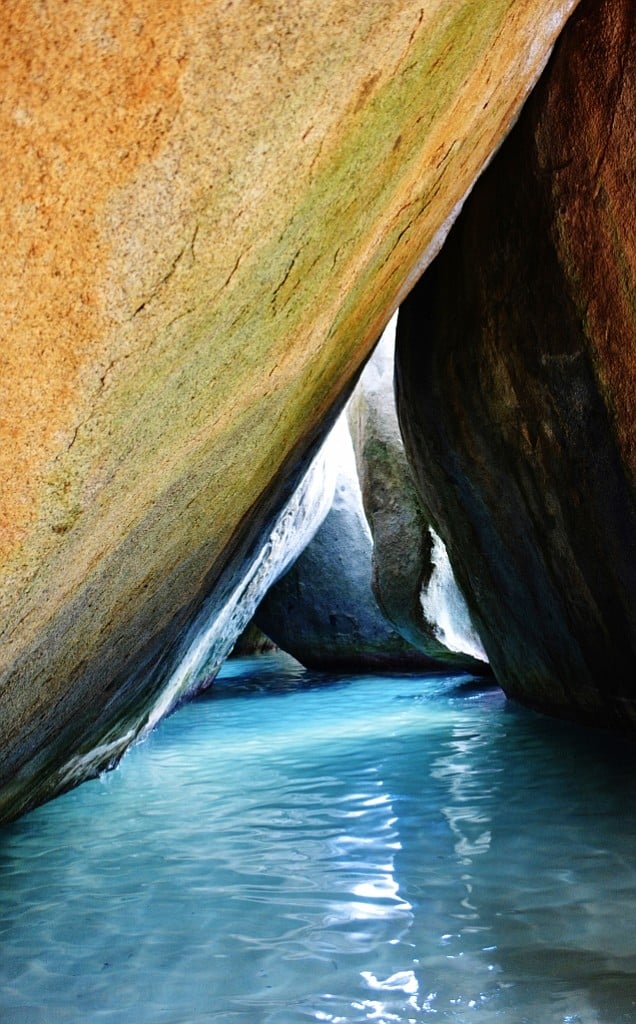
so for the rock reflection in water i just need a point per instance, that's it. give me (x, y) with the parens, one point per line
(295, 848)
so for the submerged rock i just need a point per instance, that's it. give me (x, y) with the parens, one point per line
(193, 269)
(517, 384)
(323, 610)
(412, 578)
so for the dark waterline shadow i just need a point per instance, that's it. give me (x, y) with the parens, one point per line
(278, 674)
(577, 743)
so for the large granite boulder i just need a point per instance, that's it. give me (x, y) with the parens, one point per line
(323, 610)
(209, 213)
(516, 361)
(411, 577)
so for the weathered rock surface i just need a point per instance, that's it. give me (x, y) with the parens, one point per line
(210, 637)
(403, 568)
(209, 212)
(323, 610)
(516, 363)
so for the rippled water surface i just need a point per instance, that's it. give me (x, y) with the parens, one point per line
(293, 848)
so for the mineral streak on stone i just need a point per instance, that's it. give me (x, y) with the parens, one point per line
(209, 213)
(403, 568)
(516, 362)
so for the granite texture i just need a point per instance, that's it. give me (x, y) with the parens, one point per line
(209, 212)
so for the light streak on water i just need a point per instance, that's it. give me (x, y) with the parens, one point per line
(292, 848)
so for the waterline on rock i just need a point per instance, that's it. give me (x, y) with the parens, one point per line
(444, 606)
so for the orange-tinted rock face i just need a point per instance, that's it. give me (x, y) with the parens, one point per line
(517, 374)
(209, 212)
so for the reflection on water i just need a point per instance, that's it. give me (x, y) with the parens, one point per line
(294, 848)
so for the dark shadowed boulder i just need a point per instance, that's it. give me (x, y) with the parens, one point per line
(516, 364)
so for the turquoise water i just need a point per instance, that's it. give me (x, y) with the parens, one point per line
(293, 848)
